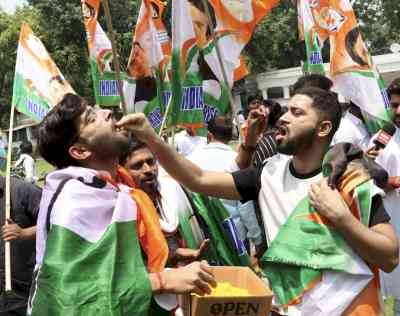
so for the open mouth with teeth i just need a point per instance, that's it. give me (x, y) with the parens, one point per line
(281, 133)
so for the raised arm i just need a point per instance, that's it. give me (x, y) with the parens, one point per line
(217, 184)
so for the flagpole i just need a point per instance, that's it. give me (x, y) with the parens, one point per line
(219, 55)
(7, 245)
(115, 55)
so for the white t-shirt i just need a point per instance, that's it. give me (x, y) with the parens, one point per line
(29, 167)
(352, 130)
(186, 144)
(389, 158)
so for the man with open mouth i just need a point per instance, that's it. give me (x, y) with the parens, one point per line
(286, 180)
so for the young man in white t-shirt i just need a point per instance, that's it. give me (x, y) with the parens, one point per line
(304, 135)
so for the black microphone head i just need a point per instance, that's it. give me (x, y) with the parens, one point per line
(384, 135)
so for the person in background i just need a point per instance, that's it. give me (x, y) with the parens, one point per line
(186, 141)
(389, 158)
(27, 162)
(20, 230)
(3, 154)
(217, 155)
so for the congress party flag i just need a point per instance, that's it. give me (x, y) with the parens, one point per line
(150, 54)
(38, 83)
(186, 82)
(236, 21)
(100, 56)
(313, 40)
(352, 70)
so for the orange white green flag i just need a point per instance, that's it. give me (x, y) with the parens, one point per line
(313, 40)
(352, 69)
(100, 56)
(235, 24)
(146, 69)
(38, 83)
(186, 81)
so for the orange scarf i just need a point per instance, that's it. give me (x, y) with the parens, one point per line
(150, 235)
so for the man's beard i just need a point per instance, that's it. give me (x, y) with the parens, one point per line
(297, 144)
(108, 146)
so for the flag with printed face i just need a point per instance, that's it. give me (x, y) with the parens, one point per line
(312, 39)
(100, 56)
(186, 82)
(235, 24)
(38, 83)
(151, 50)
(352, 69)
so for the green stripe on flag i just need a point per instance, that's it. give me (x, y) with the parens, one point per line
(105, 278)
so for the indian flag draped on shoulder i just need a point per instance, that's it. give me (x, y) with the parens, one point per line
(38, 83)
(351, 67)
(89, 240)
(147, 86)
(100, 56)
(310, 267)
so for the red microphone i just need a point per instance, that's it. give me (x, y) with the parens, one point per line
(384, 136)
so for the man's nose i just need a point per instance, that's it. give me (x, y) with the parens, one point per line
(105, 113)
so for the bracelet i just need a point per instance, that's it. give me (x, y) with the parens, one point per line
(247, 148)
(160, 281)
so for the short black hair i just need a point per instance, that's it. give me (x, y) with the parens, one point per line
(255, 97)
(313, 80)
(221, 127)
(326, 103)
(275, 111)
(394, 87)
(59, 130)
(350, 42)
(134, 144)
(26, 147)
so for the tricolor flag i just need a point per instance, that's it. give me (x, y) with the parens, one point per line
(186, 82)
(89, 259)
(236, 21)
(313, 40)
(38, 83)
(311, 266)
(352, 69)
(100, 56)
(147, 65)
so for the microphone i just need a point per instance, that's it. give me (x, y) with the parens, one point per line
(384, 136)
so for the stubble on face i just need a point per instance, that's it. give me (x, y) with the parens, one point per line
(297, 144)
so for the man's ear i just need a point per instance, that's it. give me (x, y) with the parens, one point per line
(325, 128)
(79, 152)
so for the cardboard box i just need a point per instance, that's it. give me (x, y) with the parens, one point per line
(258, 303)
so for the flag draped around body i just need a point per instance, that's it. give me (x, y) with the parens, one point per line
(309, 262)
(38, 83)
(148, 60)
(312, 39)
(100, 56)
(352, 70)
(89, 260)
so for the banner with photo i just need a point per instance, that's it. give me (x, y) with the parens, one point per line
(38, 83)
(147, 64)
(352, 70)
(100, 56)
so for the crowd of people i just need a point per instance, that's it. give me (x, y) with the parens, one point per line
(124, 221)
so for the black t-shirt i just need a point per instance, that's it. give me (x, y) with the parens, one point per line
(25, 199)
(248, 184)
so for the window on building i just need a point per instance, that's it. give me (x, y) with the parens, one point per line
(275, 93)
